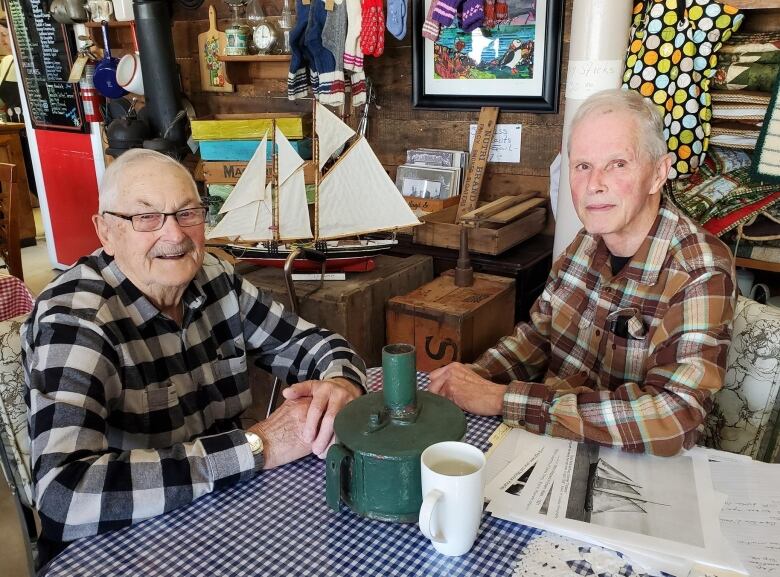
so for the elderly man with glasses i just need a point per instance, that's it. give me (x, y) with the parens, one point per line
(136, 358)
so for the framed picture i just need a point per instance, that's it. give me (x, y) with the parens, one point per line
(512, 61)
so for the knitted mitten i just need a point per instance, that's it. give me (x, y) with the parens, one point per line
(396, 18)
(369, 31)
(380, 30)
(298, 77)
(473, 15)
(445, 11)
(431, 29)
(334, 34)
(353, 55)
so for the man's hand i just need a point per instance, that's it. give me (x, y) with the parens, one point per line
(282, 433)
(467, 389)
(327, 399)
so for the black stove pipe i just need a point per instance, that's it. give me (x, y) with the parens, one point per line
(158, 67)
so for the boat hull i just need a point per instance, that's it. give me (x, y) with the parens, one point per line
(346, 258)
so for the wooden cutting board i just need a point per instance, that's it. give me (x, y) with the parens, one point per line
(213, 76)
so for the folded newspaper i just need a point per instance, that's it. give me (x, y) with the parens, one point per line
(661, 511)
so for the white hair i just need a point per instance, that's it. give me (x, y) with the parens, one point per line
(649, 123)
(111, 184)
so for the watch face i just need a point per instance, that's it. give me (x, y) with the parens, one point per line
(264, 36)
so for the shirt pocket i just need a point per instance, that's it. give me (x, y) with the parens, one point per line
(163, 409)
(232, 366)
(625, 359)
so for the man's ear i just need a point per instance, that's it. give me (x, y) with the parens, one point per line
(661, 173)
(104, 233)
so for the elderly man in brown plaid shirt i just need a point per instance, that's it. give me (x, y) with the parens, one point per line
(627, 343)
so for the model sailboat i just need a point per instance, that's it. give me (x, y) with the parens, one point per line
(264, 221)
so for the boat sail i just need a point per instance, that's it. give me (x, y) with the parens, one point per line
(612, 491)
(264, 221)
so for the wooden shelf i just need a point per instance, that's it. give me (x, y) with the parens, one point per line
(753, 4)
(246, 69)
(757, 264)
(255, 58)
(111, 24)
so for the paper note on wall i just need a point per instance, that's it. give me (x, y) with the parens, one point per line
(506, 142)
(586, 77)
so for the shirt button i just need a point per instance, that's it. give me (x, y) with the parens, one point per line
(614, 346)
(598, 332)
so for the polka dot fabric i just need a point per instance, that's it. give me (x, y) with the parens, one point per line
(671, 58)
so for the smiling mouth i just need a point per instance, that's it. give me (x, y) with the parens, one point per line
(171, 256)
(600, 207)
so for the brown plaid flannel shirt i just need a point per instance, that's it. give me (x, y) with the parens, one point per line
(629, 360)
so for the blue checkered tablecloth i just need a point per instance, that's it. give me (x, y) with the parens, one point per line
(278, 524)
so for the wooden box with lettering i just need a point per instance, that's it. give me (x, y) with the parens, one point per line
(448, 323)
(229, 171)
(355, 307)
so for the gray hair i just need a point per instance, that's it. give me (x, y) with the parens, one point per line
(114, 176)
(650, 139)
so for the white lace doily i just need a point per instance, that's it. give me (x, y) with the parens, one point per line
(550, 555)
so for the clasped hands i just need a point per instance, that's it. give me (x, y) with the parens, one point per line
(464, 387)
(303, 424)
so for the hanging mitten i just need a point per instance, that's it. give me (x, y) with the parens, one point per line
(368, 34)
(431, 29)
(445, 11)
(334, 34)
(380, 31)
(396, 18)
(473, 15)
(298, 76)
(353, 55)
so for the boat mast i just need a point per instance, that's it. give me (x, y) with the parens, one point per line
(274, 183)
(315, 146)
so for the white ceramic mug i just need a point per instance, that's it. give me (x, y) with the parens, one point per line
(760, 293)
(128, 74)
(745, 280)
(452, 487)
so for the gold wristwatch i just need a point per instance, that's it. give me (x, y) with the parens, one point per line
(256, 444)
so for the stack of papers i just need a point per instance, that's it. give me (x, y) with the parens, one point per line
(663, 512)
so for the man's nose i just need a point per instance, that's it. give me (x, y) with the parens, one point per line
(596, 181)
(171, 228)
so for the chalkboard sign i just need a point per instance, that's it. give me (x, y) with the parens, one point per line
(45, 50)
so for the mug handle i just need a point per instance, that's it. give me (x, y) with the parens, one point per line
(426, 515)
(754, 291)
(337, 454)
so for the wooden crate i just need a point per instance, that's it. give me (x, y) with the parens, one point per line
(430, 204)
(243, 150)
(439, 229)
(448, 323)
(249, 126)
(354, 308)
(229, 171)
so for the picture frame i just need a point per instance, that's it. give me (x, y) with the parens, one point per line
(512, 65)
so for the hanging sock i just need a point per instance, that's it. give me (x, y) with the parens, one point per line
(299, 75)
(396, 18)
(445, 11)
(334, 34)
(473, 15)
(358, 88)
(328, 78)
(431, 29)
(353, 55)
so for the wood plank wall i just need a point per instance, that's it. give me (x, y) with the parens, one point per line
(394, 126)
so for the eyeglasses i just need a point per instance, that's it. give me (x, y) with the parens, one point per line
(151, 221)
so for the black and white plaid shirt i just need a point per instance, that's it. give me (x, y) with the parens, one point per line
(131, 415)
